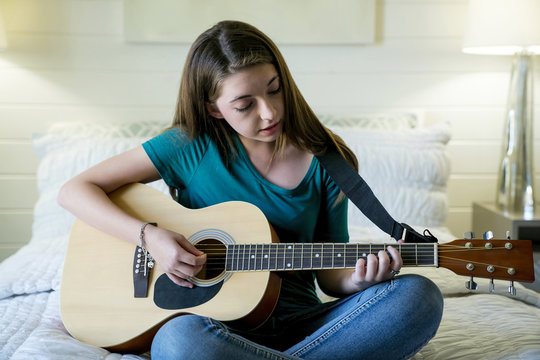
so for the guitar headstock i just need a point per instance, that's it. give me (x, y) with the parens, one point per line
(493, 259)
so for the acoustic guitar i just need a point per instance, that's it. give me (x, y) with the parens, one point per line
(101, 299)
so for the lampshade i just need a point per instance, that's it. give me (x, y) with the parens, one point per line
(3, 37)
(502, 27)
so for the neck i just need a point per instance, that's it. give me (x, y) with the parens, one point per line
(293, 256)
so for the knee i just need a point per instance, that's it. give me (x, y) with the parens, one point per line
(177, 338)
(423, 296)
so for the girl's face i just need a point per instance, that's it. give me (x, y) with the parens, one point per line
(251, 102)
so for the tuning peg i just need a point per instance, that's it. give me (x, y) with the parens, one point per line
(508, 235)
(469, 235)
(491, 286)
(471, 285)
(488, 235)
(512, 289)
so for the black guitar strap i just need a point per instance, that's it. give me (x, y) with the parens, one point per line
(359, 192)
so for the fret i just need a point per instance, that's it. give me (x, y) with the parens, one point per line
(280, 253)
(264, 257)
(316, 257)
(333, 254)
(408, 254)
(339, 256)
(258, 257)
(307, 256)
(363, 251)
(289, 251)
(229, 250)
(251, 257)
(377, 248)
(298, 258)
(327, 256)
(235, 258)
(272, 257)
(427, 256)
(351, 255)
(238, 256)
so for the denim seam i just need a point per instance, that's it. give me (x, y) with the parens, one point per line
(344, 320)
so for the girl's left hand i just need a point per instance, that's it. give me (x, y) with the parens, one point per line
(376, 268)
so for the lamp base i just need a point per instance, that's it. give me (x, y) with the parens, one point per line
(515, 183)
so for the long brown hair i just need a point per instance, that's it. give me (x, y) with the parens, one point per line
(224, 49)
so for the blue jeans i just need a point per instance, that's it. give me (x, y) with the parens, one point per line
(390, 320)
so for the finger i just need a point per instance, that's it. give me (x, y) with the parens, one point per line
(180, 281)
(360, 270)
(189, 247)
(194, 260)
(384, 265)
(371, 267)
(397, 260)
(186, 271)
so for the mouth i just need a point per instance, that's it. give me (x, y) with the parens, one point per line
(270, 128)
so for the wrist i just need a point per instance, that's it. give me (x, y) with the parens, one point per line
(142, 234)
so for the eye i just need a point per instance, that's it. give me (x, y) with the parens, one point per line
(245, 108)
(275, 91)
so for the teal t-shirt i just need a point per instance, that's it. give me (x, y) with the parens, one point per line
(305, 214)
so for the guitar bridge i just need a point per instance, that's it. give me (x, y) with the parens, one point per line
(142, 266)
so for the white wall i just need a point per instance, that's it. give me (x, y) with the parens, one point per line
(67, 61)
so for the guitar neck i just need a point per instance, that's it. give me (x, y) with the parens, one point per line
(293, 256)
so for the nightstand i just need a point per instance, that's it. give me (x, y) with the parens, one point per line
(486, 216)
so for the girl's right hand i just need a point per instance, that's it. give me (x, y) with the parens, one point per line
(176, 256)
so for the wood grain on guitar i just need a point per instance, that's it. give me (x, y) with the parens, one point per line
(239, 282)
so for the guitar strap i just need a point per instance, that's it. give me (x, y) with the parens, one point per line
(359, 192)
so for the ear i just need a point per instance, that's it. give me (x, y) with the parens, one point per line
(213, 110)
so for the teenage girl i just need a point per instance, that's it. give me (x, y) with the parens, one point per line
(243, 131)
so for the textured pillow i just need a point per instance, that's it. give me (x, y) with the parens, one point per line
(136, 129)
(381, 121)
(61, 158)
(407, 169)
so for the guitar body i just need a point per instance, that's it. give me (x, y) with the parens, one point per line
(97, 297)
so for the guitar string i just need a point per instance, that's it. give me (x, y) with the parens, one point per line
(256, 254)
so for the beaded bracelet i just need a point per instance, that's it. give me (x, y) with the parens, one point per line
(148, 259)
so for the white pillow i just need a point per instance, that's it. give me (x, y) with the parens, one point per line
(61, 158)
(407, 169)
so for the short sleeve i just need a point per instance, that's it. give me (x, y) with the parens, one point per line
(175, 156)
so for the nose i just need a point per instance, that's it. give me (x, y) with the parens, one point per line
(267, 111)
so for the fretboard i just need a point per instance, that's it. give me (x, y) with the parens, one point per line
(292, 256)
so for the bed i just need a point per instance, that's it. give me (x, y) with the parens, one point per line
(408, 168)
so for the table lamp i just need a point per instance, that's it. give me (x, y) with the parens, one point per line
(511, 27)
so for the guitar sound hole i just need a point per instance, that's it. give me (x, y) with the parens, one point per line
(215, 258)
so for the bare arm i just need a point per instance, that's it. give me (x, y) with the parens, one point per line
(86, 196)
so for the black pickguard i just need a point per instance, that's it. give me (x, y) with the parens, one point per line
(168, 295)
